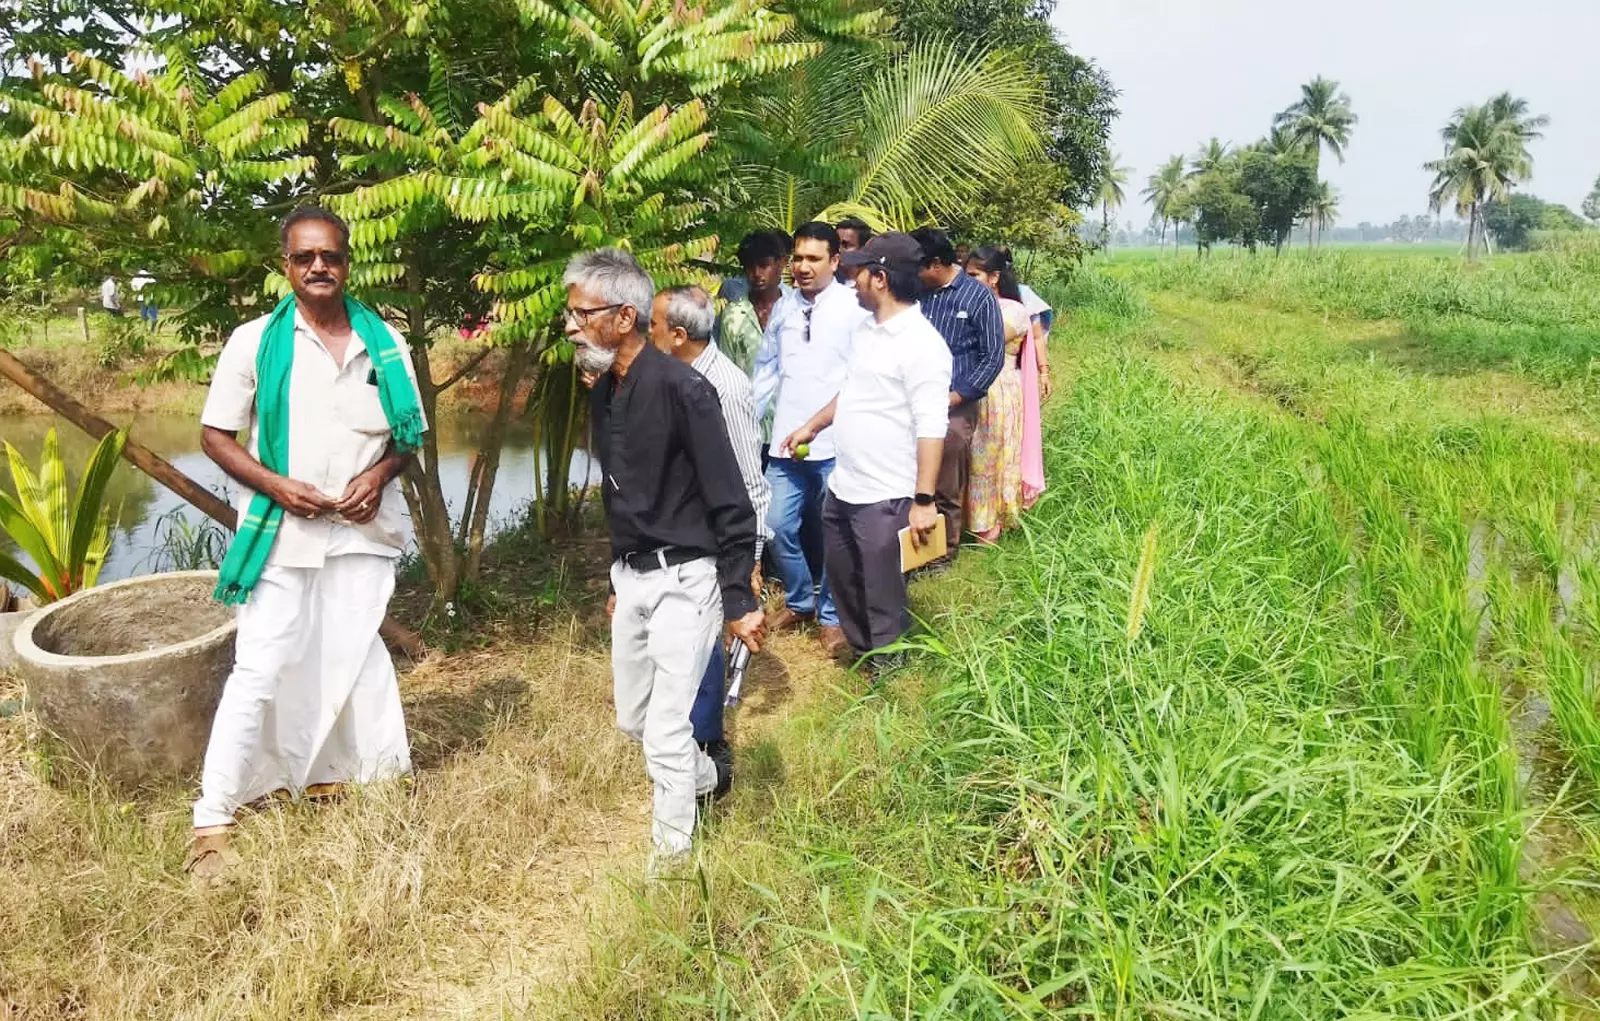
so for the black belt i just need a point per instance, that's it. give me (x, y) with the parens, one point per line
(656, 559)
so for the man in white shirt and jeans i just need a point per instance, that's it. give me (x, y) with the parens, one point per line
(888, 427)
(802, 364)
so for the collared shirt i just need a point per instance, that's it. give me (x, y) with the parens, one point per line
(897, 392)
(669, 477)
(337, 430)
(738, 414)
(108, 295)
(803, 358)
(967, 315)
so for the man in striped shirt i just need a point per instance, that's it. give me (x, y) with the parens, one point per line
(967, 315)
(680, 325)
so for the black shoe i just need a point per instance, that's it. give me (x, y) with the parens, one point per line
(721, 753)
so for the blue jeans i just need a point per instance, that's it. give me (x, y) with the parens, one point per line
(798, 491)
(706, 713)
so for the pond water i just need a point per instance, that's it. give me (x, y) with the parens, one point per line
(144, 503)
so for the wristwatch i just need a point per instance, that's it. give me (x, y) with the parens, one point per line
(923, 499)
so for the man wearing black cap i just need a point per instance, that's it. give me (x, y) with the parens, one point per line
(889, 422)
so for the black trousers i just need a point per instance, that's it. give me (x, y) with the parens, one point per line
(861, 546)
(955, 471)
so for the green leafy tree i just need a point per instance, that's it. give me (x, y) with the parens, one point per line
(1512, 222)
(472, 146)
(1281, 187)
(1591, 205)
(1485, 156)
(1162, 190)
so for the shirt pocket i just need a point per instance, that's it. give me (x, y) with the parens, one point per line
(359, 406)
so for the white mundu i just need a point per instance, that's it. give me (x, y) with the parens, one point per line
(313, 696)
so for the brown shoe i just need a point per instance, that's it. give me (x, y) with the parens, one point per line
(833, 640)
(788, 620)
(210, 855)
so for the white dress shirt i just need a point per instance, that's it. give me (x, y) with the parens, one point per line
(733, 393)
(803, 358)
(896, 392)
(337, 430)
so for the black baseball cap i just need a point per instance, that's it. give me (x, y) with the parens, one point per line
(893, 251)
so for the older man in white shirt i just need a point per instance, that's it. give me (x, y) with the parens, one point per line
(312, 701)
(802, 364)
(681, 324)
(888, 425)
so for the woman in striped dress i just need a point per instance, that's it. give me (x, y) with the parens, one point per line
(994, 493)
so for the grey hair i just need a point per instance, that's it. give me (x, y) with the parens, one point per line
(616, 277)
(689, 306)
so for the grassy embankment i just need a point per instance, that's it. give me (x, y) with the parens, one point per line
(1345, 766)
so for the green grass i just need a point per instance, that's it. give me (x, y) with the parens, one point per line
(1536, 313)
(1298, 793)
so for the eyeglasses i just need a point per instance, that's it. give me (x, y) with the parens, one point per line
(581, 316)
(332, 260)
(805, 312)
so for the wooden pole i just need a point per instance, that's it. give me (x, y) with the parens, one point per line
(83, 324)
(159, 468)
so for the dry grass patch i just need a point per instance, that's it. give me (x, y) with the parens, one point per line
(449, 897)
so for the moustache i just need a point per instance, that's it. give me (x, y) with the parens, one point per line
(321, 278)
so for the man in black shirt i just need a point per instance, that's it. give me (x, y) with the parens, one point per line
(683, 533)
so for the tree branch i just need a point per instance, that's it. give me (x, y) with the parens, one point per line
(456, 376)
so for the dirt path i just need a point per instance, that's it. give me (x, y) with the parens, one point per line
(601, 850)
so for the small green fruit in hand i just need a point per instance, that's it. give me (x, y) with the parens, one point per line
(802, 451)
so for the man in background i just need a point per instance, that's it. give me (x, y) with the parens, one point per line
(763, 255)
(853, 233)
(888, 424)
(110, 298)
(683, 532)
(680, 325)
(967, 315)
(799, 369)
(148, 313)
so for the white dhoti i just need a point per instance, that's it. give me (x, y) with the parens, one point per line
(665, 626)
(313, 696)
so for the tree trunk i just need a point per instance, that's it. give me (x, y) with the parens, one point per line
(487, 462)
(158, 468)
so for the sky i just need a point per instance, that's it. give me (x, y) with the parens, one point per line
(1191, 69)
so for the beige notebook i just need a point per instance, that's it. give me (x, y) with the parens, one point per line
(912, 558)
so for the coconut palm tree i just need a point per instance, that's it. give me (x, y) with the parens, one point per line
(1111, 194)
(1511, 112)
(891, 140)
(1281, 142)
(1486, 155)
(1321, 117)
(1324, 208)
(1209, 157)
(1162, 190)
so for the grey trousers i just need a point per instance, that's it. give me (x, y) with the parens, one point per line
(663, 631)
(861, 546)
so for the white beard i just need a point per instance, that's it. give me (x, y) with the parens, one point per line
(589, 358)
